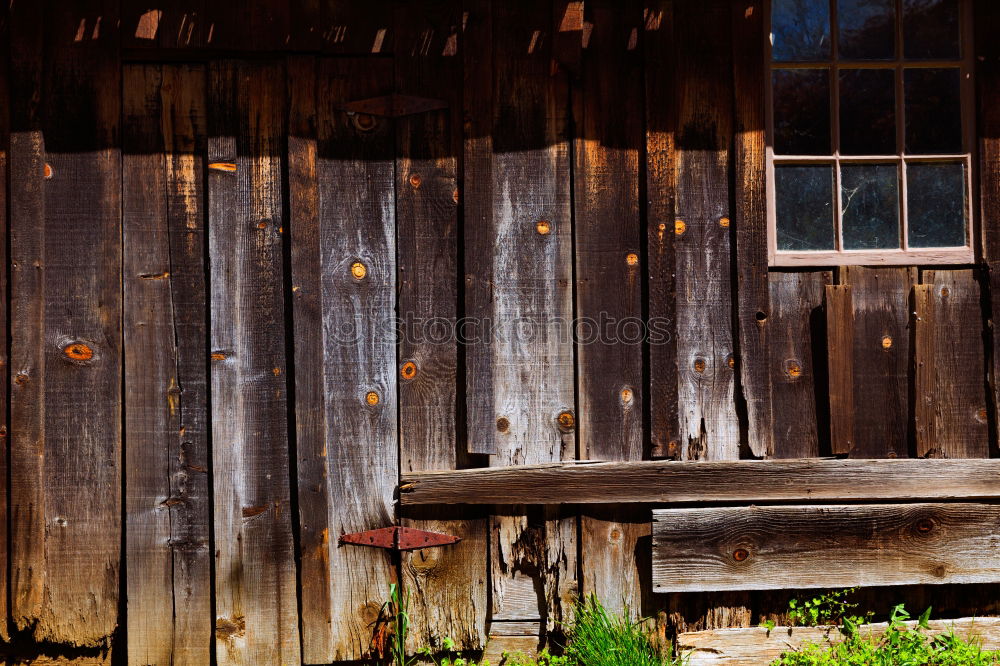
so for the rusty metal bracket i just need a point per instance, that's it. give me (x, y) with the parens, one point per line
(394, 105)
(398, 538)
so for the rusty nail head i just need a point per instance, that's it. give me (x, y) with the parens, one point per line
(415, 181)
(408, 370)
(741, 554)
(364, 122)
(78, 351)
(543, 227)
(631, 259)
(503, 425)
(925, 525)
(699, 365)
(566, 420)
(372, 398)
(359, 270)
(679, 227)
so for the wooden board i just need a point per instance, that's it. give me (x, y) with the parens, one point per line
(840, 364)
(750, 219)
(256, 608)
(447, 585)
(788, 547)
(5, 120)
(882, 409)
(823, 479)
(750, 646)
(709, 429)
(797, 363)
(65, 337)
(661, 180)
(357, 259)
(166, 457)
(173, 24)
(949, 386)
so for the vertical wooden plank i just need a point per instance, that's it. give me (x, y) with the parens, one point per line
(358, 263)
(881, 305)
(840, 359)
(168, 560)
(310, 400)
(66, 352)
(609, 285)
(796, 345)
(661, 177)
(533, 557)
(949, 400)
(256, 614)
(447, 585)
(705, 361)
(5, 205)
(750, 218)
(353, 28)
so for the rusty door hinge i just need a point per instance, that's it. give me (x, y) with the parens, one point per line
(399, 538)
(394, 105)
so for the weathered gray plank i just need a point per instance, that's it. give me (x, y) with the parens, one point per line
(737, 481)
(256, 610)
(750, 646)
(787, 547)
(840, 362)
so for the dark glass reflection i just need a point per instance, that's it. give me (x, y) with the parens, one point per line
(866, 29)
(936, 204)
(800, 30)
(804, 206)
(930, 29)
(867, 112)
(801, 111)
(869, 200)
(933, 110)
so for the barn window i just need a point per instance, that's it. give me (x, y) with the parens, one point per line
(869, 132)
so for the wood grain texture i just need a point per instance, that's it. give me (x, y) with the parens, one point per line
(824, 479)
(256, 609)
(66, 265)
(534, 557)
(357, 229)
(797, 362)
(171, 24)
(840, 363)
(166, 457)
(709, 428)
(447, 585)
(750, 220)
(661, 182)
(750, 646)
(761, 548)
(881, 301)
(5, 201)
(949, 396)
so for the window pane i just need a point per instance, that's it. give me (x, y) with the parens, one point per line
(870, 206)
(800, 30)
(867, 29)
(804, 206)
(933, 111)
(867, 112)
(801, 111)
(930, 29)
(936, 204)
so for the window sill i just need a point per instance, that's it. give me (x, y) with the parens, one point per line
(961, 255)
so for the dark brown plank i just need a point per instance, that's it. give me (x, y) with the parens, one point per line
(658, 49)
(447, 585)
(763, 548)
(166, 458)
(949, 396)
(750, 220)
(310, 400)
(840, 360)
(66, 352)
(609, 285)
(353, 28)
(881, 301)
(357, 254)
(256, 608)
(5, 201)
(735, 481)
(797, 379)
(709, 429)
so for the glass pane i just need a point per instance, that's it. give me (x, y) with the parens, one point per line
(800, 30)
(869, 199)
(867, 112)
(930, 29)
(804, 206)
(867, 29)
(933, 110)
(936, 204)
(801, 111)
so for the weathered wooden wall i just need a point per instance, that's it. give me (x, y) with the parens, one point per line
(262, 259)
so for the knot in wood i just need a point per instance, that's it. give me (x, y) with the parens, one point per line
(741, 554)
(566, 421)
(699, 365)
(408, 370)
(793, 369)
(886, 342)
(47, 171)
(724, 222)
(372, 398)
(503, 425)
(631, 259)
(363, 122)
(359, 270)
(925, 525)
(679, 227)
(77, 351)
(454, 197)
(543, 227)
(731, 362)
(627, 395)
(415, 181)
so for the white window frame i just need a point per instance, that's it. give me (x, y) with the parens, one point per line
(886, 257)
